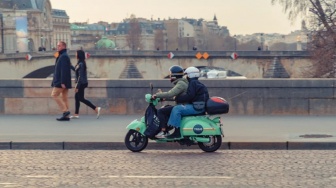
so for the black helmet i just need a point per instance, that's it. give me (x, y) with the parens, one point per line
(175, 72)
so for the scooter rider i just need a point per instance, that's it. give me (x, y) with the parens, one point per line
(196, 93)
(180, 87)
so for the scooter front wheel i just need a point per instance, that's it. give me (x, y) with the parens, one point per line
(135, 141)
(213, 145)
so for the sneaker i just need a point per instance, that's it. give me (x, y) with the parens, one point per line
(74, 117)
(63, 119)
(98, 112)
(65, 114)
(176, 133)
(161, 135)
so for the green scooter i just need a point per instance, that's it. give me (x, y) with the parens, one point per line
(204, 130)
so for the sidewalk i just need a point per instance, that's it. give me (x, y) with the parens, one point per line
(108, 132)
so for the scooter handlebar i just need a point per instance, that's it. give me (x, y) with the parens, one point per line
(149, 99)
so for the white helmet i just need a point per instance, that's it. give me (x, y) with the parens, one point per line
(192, 72)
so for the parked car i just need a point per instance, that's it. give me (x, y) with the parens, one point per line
(208, 72)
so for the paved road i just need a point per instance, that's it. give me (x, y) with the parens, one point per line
(167, 168)
(112, 128)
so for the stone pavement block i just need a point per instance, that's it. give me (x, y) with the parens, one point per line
(121, 146)
(97, 83)
(94, 146)
(26, 105)
(95, 92)
(258, 145)
(37, 83)
(117, 106)
(4, 145)
(175, 145)
(311, 145)
(322, 106)
(37, 92)
(11, 92)
(168, 146)
(290, 106)
(37, 145)
(11, 83)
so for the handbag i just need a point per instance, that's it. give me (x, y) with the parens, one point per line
(199, 105)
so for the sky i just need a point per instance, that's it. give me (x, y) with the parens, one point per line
(239, 16)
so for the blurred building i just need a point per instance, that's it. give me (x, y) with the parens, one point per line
(32, 25)
(171, 34)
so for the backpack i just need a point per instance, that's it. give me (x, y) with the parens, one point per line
(152, 121)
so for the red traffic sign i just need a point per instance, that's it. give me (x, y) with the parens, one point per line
(234, 55)
(87, 55)
(28, 57)
(170, 55)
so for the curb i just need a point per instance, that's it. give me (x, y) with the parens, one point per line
(166, 146)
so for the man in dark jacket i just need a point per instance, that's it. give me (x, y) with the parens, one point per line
(180, 87)
(196, 93)
(61, 82)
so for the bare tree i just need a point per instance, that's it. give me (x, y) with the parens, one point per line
(248, 46)
(134, 34)
(282, 46)
(228, 43)
(322, 35)
(214, 42)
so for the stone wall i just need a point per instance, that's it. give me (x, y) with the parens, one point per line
(246, 96)
(155, 65)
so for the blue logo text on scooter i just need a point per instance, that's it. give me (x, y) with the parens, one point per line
(198, 129)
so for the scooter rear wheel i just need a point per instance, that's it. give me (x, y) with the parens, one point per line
(135, 141)
(213, 145)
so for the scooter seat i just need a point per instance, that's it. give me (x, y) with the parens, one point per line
(201, 114)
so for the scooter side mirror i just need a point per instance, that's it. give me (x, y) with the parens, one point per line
(151, 86)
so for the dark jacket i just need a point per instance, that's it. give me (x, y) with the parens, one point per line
(196, 92)
(62, 72)
(81, 75)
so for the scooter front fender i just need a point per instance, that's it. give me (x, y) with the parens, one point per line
(137, 125)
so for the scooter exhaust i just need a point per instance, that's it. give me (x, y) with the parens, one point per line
(200, 139)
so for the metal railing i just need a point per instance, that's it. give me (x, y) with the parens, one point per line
(217, 54)
(177, 54)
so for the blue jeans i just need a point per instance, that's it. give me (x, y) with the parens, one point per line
(179, 111)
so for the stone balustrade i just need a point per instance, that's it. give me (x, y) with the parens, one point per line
(117, 96)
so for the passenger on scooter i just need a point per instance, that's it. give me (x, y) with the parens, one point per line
(180, 87)
(197, 93)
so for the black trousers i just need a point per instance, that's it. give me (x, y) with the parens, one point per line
(79, 97)
(163, 115)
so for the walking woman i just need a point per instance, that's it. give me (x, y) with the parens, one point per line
(81, 84)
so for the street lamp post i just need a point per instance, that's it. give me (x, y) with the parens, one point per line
(188, 41)
(235, 43)
(261, 42)
(42, 41)
(166, 44)
(2, 34)
(115, 41)
(307, 42)
(16, 38)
